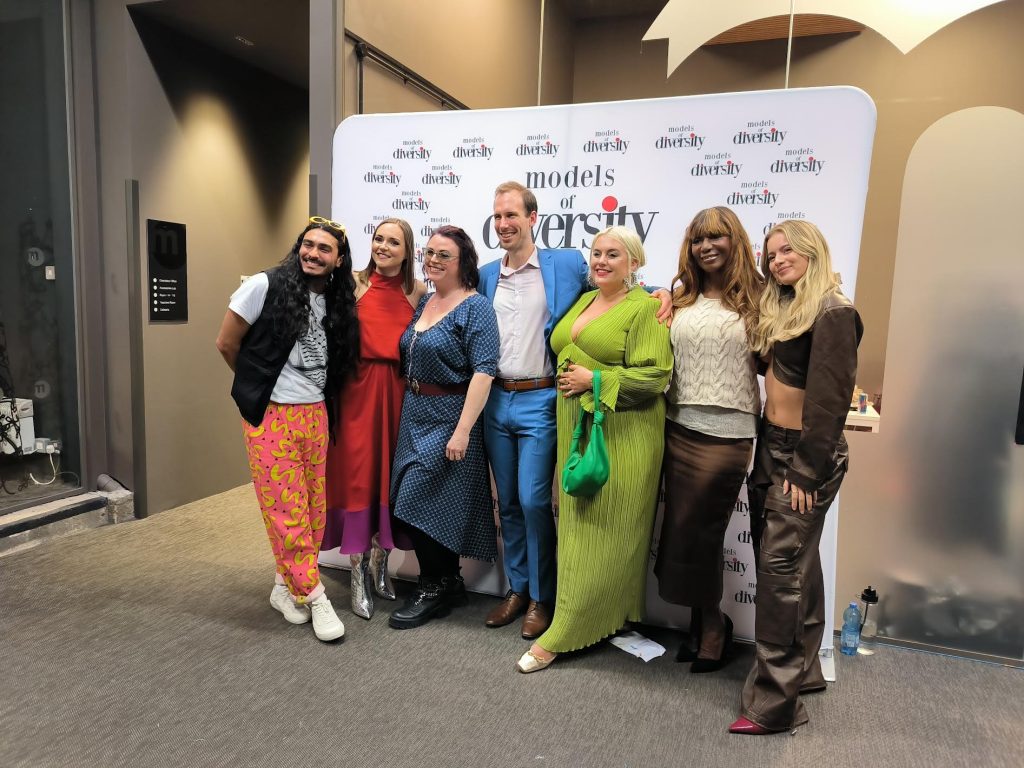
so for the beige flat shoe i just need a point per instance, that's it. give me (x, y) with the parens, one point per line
(530, 662)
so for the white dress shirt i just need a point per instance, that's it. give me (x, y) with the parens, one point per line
(522, 309)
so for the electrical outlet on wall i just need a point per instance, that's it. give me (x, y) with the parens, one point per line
(50, 272)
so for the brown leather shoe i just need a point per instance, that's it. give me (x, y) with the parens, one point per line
(508, 609)
(536, 620)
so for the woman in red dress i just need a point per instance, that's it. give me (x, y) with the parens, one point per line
(359, 517)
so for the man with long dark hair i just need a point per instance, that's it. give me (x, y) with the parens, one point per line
(291, 336)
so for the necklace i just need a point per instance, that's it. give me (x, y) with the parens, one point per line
(442, 303)
(437, 307)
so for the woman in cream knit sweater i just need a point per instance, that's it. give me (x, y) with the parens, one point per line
(713, 406)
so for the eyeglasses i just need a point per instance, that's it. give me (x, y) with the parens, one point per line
(697, 240)
(430, 253)
(322, 222)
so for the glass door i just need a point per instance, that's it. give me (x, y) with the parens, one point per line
(39, 394)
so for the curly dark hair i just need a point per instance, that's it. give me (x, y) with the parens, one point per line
(469, 272)
(340, 322)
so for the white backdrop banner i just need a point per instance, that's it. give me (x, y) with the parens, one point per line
(649, 165)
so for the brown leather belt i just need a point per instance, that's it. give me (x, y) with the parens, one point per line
(525, 385)
(425, 388)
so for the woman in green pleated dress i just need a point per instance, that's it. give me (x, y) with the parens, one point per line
(603, 540)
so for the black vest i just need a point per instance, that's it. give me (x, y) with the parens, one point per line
(261, 358)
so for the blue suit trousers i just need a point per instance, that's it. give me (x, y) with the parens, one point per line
(520, 438)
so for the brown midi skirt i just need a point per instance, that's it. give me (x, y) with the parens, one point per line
(703, 477)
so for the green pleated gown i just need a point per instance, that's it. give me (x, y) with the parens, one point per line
(604, 540)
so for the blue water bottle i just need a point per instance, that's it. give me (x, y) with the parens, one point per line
(850, 637)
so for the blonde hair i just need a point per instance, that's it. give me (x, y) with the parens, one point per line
(630, 241)
(743, 283)
(788, 312)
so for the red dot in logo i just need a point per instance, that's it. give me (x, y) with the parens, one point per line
(483, 146)
(548, 142)
(773, 130)
(609, 203)
(728, 162)
(811, 159)
(693, 135)
(764, 191)
(419, 199)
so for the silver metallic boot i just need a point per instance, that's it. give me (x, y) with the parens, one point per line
(362, 597)
(379, 566)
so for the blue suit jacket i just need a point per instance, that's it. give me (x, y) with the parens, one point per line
(564, 273)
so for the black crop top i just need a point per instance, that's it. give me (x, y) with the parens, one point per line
(823, 362)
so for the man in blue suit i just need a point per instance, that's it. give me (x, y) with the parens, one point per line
(531, 290)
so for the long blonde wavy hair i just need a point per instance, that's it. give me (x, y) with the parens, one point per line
(743, 283)
(788, 312)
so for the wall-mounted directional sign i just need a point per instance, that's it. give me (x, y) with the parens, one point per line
(168, 272)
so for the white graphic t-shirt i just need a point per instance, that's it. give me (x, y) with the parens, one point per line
(304, 375)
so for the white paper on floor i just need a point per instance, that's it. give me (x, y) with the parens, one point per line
(638, 645)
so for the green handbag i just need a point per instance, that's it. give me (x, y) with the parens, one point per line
(584, 475)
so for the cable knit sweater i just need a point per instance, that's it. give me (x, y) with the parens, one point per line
(714, 380)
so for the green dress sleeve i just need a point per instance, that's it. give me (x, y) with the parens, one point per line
(647, 362)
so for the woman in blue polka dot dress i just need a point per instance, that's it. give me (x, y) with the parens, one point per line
(440, 487)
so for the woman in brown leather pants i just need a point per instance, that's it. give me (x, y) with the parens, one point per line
(809, 333)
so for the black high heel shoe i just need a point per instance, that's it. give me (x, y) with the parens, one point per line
(701, 666)
(685, 653)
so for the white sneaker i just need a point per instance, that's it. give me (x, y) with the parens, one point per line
(326, 624)
(282, 600)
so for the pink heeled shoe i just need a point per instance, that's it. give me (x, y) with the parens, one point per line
(742, 725)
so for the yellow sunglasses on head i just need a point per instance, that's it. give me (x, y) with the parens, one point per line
(322, 222)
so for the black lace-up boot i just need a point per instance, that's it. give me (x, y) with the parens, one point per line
(429, 601)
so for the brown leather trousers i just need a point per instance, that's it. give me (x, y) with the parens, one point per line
(790, 603)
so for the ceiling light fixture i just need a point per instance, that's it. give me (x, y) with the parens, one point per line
(688, 24)
(245, 41)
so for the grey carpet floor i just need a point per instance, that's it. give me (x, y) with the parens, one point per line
(151, 643)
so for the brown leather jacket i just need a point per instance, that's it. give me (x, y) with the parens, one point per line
(822, 362)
